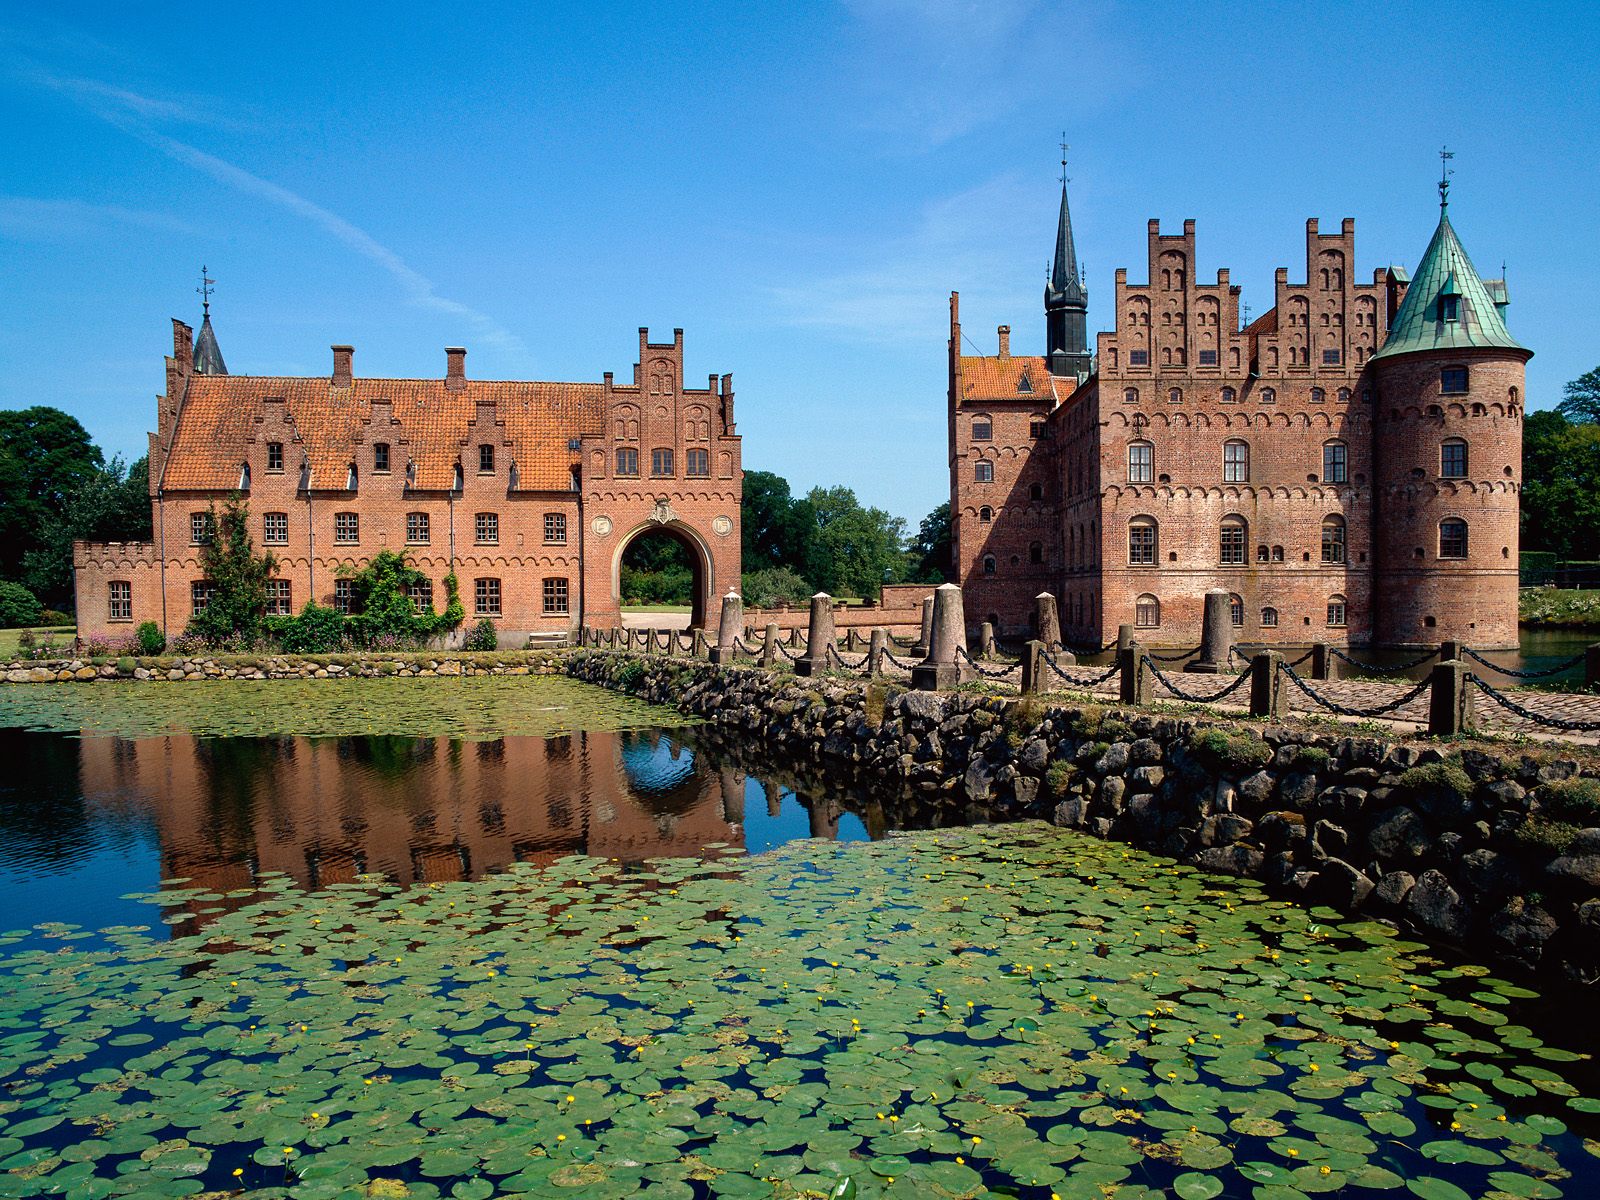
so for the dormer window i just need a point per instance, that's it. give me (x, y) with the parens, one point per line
(380, 458)
(244, 477)
(1447, 308)
(485, 460)
(456, 481)
(1023, 385)
(350, 478)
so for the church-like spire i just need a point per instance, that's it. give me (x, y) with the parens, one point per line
(1066, 300)
(207, 354)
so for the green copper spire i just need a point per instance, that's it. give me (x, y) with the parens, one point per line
(1447, 306)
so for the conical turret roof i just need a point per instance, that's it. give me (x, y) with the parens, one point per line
(1446, 278)
(207, 354)
(1065, 283)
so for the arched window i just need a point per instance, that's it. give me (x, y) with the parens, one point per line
(986, 513)
(1453, 458)
(988, 564)
(1261, 552)
(1235, 537)
(1344, 396)
(1036, 492)
(1452, 538)
(1142, 541)
(1130, 395)
(1229, 396)
(983, 471)
(1035, 552)
(1235, 461)
(1141, 462)
(1333, 544)
(1269, 618)
(1147, 612)
(1336, 611)
(1269, 396)
(1174, 395)
(1318, 396)
(982, 429)
(1277, 554)
(1335, 462)
(1236, 611)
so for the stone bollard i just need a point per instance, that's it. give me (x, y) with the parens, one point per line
(1267, 697)
(1125, 637)
(698, 644)
(1033, 668)
(986, 641)
(1134, 684)
(920, 650)
(1591, 666)
(1450, 708)
(876, 649)
(1452, 651)
(1046, 620)
(732, 788)
(819, 637)
(671, 635)
(729, 626)
(1323, 664)
(769, 646)
(941, 669)
(1216, 636)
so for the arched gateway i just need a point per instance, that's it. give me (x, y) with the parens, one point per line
(528, 493)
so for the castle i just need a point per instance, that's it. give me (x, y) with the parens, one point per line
(1346, 466)
(527, 492)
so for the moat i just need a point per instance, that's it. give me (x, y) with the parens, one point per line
(598, 957)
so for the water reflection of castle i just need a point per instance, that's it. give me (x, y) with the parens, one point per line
(324, 810)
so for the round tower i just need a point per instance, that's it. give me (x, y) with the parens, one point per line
(1446, 390)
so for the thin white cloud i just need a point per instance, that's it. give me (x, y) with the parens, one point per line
(28, 217)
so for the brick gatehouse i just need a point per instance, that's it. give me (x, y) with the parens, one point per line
(529, 492)
(1346, 466)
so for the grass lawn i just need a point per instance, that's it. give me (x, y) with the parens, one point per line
(1560, 608)
(648, 608)
(8, 637)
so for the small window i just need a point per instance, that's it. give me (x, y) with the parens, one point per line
(380, 458)
(202, 530)
(1269, 395)
(1236, 611)
(1448, 307)
(988, 564)
(983, 431)
(555, 529)
(275, 456)
(1453, 459)
(1208, 358)
(350, 478)
(280, 602)
(346, 528)
(342, 593)
(1235, 538)
(275, 529)
(417, 529)
(1344, 396)
(1318, 396)
(1142, 541)
(421, 593)
(1036, 491)
(698, 463)
(1336, 611)
(119, 600)
(1333, 540)
(1330, 358)
(1269, 618)
(486, 529)
(627, 461)
(1141, 462)
(486, 597)
(986, 514)
(661, 463)
(1174, 395)
(1036, 429)
(1235, 462)
(1147, 612)
(1261, 553)
(1035, 552)
(1024, 385)
(983, 471)
(1453, 381)
(200, 593)
(574, 479)
(1335, 462)
(1277, 554)
(1452, 538)
(1138, 358)
(555, 596)
(1130, 395)
(485, 460)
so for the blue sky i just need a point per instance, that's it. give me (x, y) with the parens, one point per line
(798, 186)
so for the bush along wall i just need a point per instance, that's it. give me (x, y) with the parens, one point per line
(1485, 849)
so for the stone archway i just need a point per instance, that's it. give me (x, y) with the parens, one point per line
(700, 564)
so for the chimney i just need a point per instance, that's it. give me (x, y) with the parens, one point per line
(455, 371)
(1005, 341)
(341, 365)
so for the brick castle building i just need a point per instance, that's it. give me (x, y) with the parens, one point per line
(528, 492)
(1346, 466)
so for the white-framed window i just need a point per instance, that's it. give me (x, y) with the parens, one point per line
(1336, 611)
(555, 529)
(1142, 541)
(202, 529)
(1333, 539)
(1235, 538)
(1235, 461)
(421, 593)
(200, 593)
(346, 528)
(1269, 618)
(1141, 462)
(275, 529)
(119, 600)
(417, 529)
(486, 528)
(343, 594)
(1236, 611)
(1147, 612)
(983, 471)
(280, 598)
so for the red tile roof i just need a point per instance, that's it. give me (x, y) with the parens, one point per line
(986, 378)
(431, 422)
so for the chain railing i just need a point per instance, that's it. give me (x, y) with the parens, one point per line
(1192, 697)
(1528, 714)
(1049, 660)
(1565, 665)
(986, 672)
(1178, 657)
(1373, 669)
(890, 657)
(862, 668)
(1089, 651)
(786, 652)
(740, 647)
(1346, 710)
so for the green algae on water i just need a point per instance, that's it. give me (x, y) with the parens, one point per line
(1015, 1010)
(473, 706)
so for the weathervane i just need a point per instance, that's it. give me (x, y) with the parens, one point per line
(205, 289)
(1444, 177)
(1063, 158)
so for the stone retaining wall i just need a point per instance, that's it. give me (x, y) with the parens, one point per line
(284, 666)
(1489, 850)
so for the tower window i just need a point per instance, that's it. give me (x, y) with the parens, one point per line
(1335, 462)
(1036, 491)
(1269, 396)
(1142, 541)
(1235, 462)
(1130, 395)
(1174, 395)
(1336, 611)
(1453, 459)
(983, 431)
(1035, 552)
(1229, 396)
(1138, 358)
(986, 514)
(983, 471)
(1147, 612)
(1236, 611)
(1141, 462)
(988, 564)
(1448, 307)
(1453, 381)
(1269, 618)
(1318, 396)
(1452, 538)
(1333, 540)
(1235, 537)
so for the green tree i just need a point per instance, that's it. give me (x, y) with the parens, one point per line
(772, 586)
(1561, 486)
(111, 504)
(381, 607)
(236, 611)
(853, 550)
(18, 606)
(1581, 402)
(45, 458)
(928, 556)
(775, 528)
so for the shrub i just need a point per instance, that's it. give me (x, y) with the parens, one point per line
(316, 630)
(1311, 758)
(150, 639)
(1575, 801)
(97, 647)
(1059, 777)
(126, 665)
(27, 640)
(1544, 837)
(18, 606)
(1232, 751)
(382, 614)
(1442, 776)
(57, 620)
(482, 636)
(629, 674)
(773, 586)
